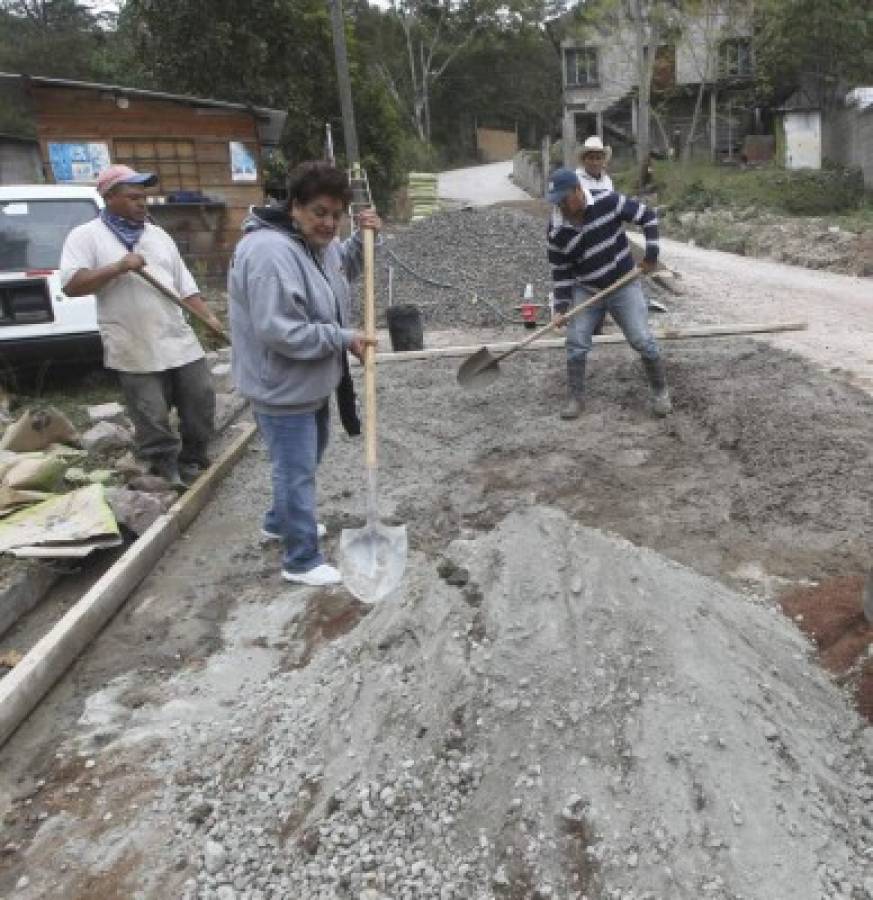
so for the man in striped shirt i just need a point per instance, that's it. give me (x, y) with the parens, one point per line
(588, 251)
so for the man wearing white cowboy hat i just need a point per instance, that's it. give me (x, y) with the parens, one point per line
(594, 157)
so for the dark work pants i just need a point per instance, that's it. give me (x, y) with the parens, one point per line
(149, 398)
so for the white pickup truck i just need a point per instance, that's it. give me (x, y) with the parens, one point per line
(39, 324)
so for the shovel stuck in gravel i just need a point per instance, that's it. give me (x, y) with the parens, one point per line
(482, 368)
(372, 558)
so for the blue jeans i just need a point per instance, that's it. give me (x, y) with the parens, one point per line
(630, 310)
(296, 444)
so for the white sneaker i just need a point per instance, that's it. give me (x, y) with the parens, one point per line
(320, 576)
(320, 532)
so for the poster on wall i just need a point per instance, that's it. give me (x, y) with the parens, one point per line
(242, 164)
(79, 162)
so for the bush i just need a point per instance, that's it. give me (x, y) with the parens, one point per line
(697, 196)
(816, 193)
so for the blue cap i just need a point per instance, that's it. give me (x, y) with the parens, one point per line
(561, 183)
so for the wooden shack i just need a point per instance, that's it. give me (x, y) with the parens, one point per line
(208, 154)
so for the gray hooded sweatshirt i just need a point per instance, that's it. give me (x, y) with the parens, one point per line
(289, 312)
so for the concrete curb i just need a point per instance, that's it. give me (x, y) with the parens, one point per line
(23, 688)
(24, 591)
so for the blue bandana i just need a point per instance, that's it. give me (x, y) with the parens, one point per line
(126, 230)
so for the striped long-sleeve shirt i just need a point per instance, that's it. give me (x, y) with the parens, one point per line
(595, 252)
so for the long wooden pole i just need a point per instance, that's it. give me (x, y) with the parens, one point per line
(369, 352)
(664, 334)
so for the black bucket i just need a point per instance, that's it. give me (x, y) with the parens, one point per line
(405, 327)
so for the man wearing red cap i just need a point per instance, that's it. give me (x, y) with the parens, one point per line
(146, 339)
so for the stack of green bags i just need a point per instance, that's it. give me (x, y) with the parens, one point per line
(422, 194)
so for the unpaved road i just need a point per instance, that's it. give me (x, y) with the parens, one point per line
(838, 308)
(479, 185)
(544, 710)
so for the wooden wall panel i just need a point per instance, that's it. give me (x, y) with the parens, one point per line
(187, 145)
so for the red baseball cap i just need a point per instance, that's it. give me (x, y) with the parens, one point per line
(118, 174)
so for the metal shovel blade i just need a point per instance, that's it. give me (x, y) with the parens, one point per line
(373, 559)
(478, 370)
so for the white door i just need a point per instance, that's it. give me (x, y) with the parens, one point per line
(803, 140)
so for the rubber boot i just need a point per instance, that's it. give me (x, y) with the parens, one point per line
(575, 389)
(657, 376)
(168, 469)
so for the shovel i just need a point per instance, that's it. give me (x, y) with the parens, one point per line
(174, 298)
(867, 597)
(372, 558)
(482, 367)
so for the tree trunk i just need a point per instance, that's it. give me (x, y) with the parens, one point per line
(692, 131)
(646, 40)
(425, 92)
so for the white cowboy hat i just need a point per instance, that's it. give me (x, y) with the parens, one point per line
(593, 144)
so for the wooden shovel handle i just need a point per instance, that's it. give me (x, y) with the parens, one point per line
(548, 329)
(174, 298)
(369, 350)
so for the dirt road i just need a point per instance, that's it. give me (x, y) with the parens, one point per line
(838, 308)
(479, 185)
(545, 710)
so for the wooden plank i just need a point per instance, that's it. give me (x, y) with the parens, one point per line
(666, 334)
(238, 195)
(207, 152)
(72, 128)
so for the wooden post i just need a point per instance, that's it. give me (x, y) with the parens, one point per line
(713, 125)
(350, 133)
(545, 162)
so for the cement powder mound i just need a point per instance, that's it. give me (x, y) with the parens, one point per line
(554, 712)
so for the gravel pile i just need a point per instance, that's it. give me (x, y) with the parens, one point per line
(528, 723)
(486, 253)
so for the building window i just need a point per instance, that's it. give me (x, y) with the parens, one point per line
(580, 67)
(735, 58)
(172, 161)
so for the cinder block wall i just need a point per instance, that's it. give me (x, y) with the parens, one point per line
(847, 138)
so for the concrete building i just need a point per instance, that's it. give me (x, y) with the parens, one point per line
(601, 83)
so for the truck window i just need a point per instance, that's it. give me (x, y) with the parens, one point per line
(32, 232)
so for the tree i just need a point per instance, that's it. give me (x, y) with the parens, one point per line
(61, 38)
(435, 32)
(821, 47)
(276, 53)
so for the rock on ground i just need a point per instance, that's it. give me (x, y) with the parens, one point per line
(104, 437)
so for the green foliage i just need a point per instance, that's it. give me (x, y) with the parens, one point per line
(696, 195)
(805, 192)
(822, 46)
(61, 38)
(263, 53)
(811, 193)
(504, 78)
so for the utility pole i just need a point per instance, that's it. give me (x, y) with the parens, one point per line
(350, 134)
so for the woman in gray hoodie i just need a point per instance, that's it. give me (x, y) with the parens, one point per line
(289, 318)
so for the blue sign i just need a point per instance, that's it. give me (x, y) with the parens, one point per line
(78, 163)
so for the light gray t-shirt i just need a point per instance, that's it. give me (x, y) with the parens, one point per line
(141, 330)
